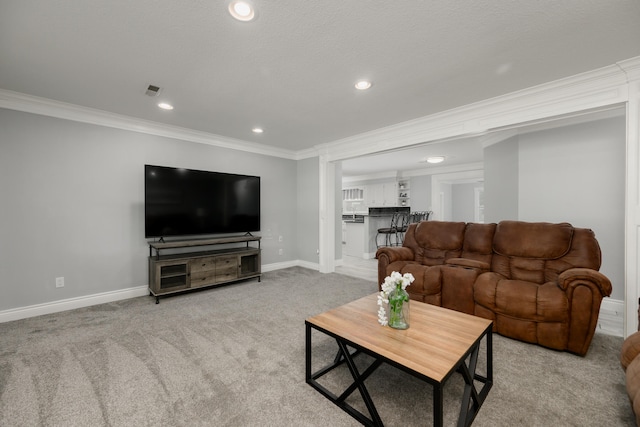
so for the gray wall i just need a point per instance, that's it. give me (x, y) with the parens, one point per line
(420, 187)
(577, 174)
(446, 190)
(308, 209)
(73, 204)
(501, 181)
(463, 201)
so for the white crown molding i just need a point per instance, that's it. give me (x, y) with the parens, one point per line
(497, 137)
(463, 168)
(370, 177)
(631, 67)
(307, 154)
(592, 90)
(478, 166)
(62, 110)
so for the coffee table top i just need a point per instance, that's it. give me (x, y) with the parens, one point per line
(434, 345)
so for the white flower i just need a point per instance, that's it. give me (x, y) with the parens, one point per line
(389, 284)
(383, 298)
(382, 316)
(407, 279)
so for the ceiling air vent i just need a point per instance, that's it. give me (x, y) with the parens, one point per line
(152, 90)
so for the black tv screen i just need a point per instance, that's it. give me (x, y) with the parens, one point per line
(185, 202)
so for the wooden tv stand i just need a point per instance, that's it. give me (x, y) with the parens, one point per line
(178, 272)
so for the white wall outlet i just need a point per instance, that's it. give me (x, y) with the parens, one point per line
(59, 282)
(280, 238)
(280, 252)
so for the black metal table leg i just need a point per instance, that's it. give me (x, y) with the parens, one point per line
(472, 398)
(344, 356)
(438, 413)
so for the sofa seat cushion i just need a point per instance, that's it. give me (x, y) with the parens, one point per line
(520, 299)
(427, 286)
(398, 266)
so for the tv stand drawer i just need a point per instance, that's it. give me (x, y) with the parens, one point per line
(203, 278)
(203, 264)
(226, 268)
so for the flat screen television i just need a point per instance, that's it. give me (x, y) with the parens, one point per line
(185, 202)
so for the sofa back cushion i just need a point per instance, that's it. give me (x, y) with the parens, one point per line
(538, 251)
(478, 242)
(433, 242)
(532, 239)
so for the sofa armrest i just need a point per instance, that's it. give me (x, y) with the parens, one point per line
(470, 264)
(386, 255)
(574, 276)
(397, 253)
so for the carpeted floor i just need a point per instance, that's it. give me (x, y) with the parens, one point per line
(234, 356)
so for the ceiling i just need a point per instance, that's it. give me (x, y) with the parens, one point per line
(292, 70)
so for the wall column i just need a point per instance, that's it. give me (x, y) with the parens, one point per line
(327, 215)
(632, 214)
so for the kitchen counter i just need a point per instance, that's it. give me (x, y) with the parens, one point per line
(353, 218)
(362, 229)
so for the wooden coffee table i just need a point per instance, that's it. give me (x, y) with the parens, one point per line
(438, 343)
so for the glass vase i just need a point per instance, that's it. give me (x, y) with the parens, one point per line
(398, 308)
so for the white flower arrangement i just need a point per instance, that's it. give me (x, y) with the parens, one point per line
(394, 281)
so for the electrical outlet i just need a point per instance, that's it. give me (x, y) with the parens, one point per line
(59, 282)
(280, 238)
(280, 252)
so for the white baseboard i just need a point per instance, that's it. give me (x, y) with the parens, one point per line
(295, 263)
(611, 318)
(71, 303)
(105, 297)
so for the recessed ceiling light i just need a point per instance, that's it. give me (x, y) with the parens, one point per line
(242, 10)
(257, 130)
(165, 106)
(363, 85)
(435, 159)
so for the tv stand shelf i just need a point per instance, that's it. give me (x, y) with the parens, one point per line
(179, 272)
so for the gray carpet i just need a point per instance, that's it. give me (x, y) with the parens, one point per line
(234, 356)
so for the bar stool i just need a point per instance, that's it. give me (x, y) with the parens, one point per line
(404, 220)
(388, 231)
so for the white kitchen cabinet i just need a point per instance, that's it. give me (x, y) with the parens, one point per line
(381, 194)
(390, 194)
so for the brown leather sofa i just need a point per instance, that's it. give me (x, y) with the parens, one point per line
(538, 282)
